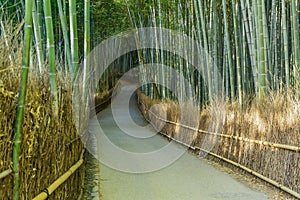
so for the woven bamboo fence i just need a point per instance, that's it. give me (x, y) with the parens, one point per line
(49, 145)
(264, 155)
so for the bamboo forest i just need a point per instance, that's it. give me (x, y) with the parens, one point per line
(150, 99)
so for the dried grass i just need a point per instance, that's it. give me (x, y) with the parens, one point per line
(275, 120)
(45, 155)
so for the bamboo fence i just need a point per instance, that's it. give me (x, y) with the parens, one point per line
(49, 144)
(260, 142)
(49, 190)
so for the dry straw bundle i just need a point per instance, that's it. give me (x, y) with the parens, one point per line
(47, 151)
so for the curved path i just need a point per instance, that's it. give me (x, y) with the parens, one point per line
(188, 178)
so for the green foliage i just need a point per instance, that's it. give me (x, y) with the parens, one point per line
(108, 18)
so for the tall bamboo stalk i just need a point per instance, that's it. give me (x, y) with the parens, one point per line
(237, 50)
(87, 41)
(262, 64)
(228, 50)
(73, 36)
(206, 50)
(296, 43)
(38, 37)
(22, 97)
(51, 54)
(39, 13)
(63, 22)
(285, 44)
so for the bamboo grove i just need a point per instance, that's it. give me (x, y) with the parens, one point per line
(253, 45)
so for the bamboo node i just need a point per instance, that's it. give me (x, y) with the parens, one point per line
(47, 192)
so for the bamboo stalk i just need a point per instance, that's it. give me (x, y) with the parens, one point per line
(22, 97)
(5, 173)
(262, 64)
(140, 52)
(236, 27)
(38, 38)
(51, 54)
(74, 37)
(49, 190)
(208, 69)
(228, 51)
(285, 45)
(295, 38)
(87, 48)
(63, 22)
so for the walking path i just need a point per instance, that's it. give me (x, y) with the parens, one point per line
(188, 178)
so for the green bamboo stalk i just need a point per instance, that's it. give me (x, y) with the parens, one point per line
(266, 39)
(252, 44)
(215, 50)
(262, 64)
(38, 38)
(51, 54)
(296, 43)
(63, 22)
(163, 75)
(198, 35)
(228, 50)
(245, 62)
(22, 97)
(74, 37)
(273, 48)
(247, 26)
(87, 41)
(237, 50)
(285, 45)
(39, 12)
(206, 50)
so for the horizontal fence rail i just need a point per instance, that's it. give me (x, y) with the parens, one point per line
(254, 173)
(265, 143)
(49, 190)
(5, 173)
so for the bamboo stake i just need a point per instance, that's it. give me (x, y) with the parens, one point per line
(49, 190)
(5, 173)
